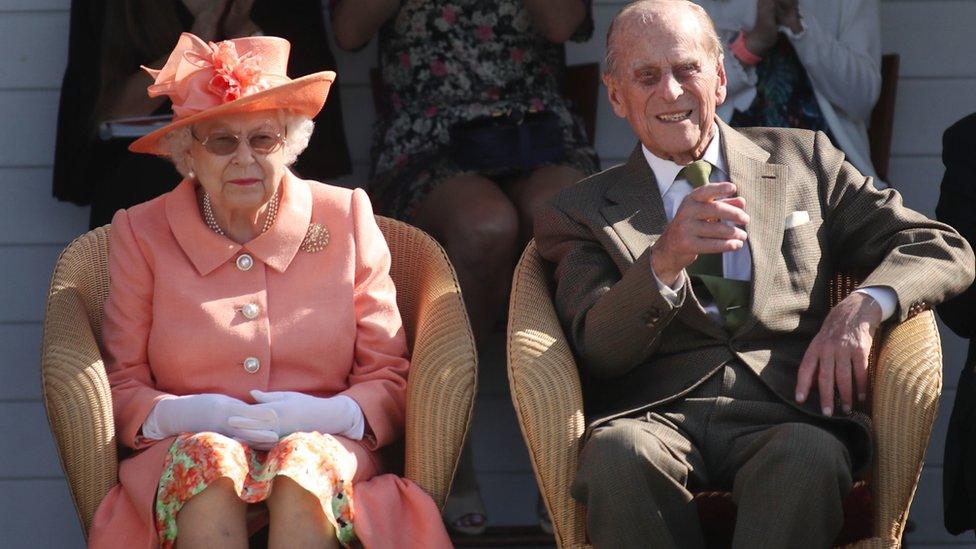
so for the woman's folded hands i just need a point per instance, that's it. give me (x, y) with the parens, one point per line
(211, 412)
(298, 412)
(277, 414)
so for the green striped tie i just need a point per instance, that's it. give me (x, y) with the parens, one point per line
(730, 296)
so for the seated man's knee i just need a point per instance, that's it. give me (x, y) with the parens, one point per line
(812, 449)
(624, 450)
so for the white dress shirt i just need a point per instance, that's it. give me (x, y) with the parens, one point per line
(736, 265)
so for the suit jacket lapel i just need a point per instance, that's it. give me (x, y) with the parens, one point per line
(635, 210)
(762, 185)
(636, 214)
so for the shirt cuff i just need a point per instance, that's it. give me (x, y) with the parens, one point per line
(670, 293)
(885, 297)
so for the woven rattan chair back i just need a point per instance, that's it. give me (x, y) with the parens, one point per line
(441, 388)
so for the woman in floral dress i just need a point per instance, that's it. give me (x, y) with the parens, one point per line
(447, 63)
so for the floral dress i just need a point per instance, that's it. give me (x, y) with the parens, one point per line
(784, 94)
(449, 62)
(317, 462)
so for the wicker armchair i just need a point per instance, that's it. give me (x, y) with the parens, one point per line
(906, 383)
(441, 386)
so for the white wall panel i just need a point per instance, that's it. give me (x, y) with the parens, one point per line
(33, 5)
(20, 369)
(38, 514)
(25, 281)
(928, 35)
(925, 108)
(38, 49)
(29, 126)
(36, 217)
(27, 445)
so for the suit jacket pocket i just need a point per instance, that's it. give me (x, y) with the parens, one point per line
(802, 252)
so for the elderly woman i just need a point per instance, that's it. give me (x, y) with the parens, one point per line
(252, 339)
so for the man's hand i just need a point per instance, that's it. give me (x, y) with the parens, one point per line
(788, 15)
(699, 227)
(838, 355)
(206, 17)
(237, 22)
(762, 36)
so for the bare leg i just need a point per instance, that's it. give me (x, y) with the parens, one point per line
(213, 518)
(533, 192)
(297, 518)
(478, 226)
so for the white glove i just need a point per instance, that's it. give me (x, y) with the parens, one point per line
(298, 412)
(212, 412)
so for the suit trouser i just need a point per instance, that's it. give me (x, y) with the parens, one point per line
(787, 471)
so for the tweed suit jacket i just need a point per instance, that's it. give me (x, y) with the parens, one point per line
(636, 350)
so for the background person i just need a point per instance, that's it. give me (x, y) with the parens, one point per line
(955, 207)
(110, 39)
(477, 137)
(810, 64)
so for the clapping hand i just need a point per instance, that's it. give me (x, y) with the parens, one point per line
(766, 31)
(237, 22)
(788, 15)
(206, 17)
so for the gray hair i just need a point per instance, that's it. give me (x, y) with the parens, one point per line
(643, 8)
(298, 128)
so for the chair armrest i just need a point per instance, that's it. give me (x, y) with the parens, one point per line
(443, 373)
(78, 401)
(546, 392)
(907, 385)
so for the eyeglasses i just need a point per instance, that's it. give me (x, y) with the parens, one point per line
(262, 142)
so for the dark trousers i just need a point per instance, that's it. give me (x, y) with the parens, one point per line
(786, 470)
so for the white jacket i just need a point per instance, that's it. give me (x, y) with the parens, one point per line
(840, 48)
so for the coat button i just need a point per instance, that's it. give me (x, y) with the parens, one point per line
(251, 364)
(245, 262)
(250, 311)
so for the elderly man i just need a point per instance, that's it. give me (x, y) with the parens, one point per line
(692, 283)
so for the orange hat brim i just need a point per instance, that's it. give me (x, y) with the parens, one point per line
(305, 95)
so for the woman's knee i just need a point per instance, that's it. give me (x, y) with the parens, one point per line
(533, 193)
(218, 501)
(479, 224)
(288, 497)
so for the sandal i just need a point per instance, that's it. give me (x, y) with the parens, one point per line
(465, 514)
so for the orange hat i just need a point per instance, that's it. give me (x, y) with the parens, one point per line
(205, 81)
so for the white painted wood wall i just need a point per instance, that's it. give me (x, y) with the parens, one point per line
(937, 87)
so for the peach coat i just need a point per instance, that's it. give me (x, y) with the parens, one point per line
(328, 325)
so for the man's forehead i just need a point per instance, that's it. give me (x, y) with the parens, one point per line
(661, 50)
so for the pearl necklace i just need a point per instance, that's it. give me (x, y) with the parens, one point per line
(208, 214)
